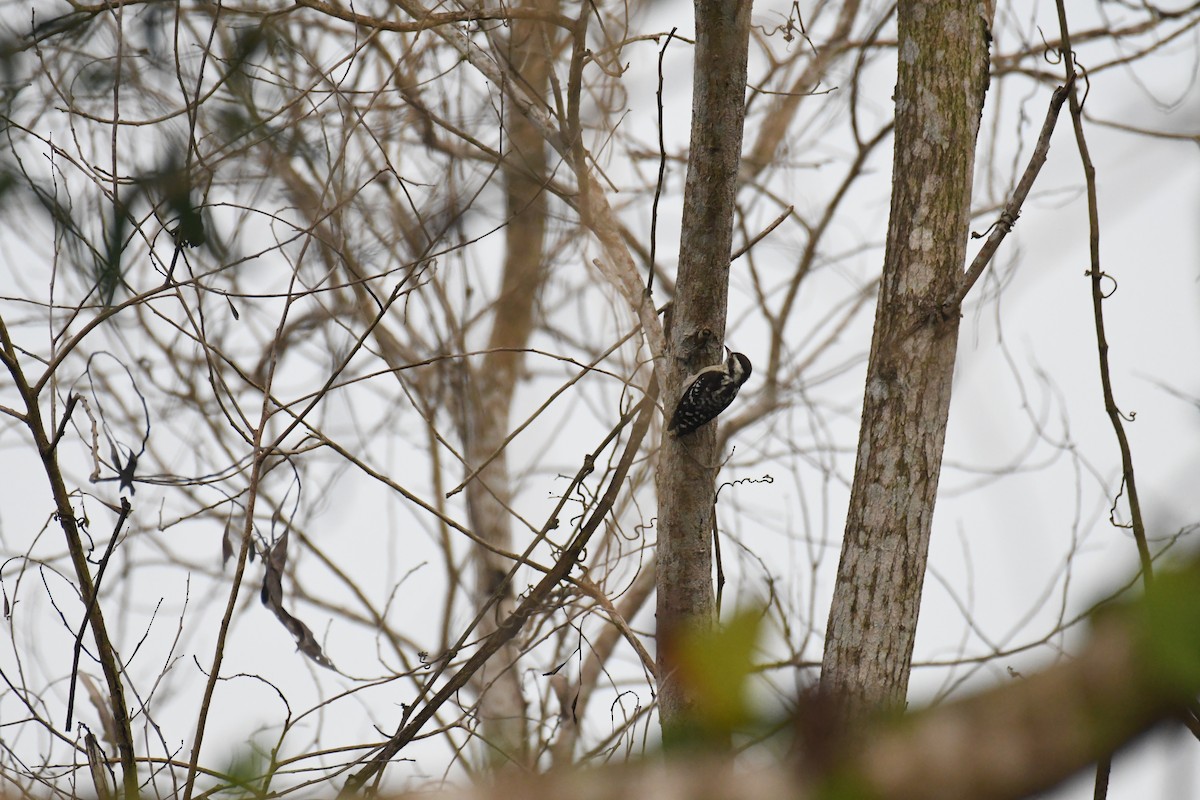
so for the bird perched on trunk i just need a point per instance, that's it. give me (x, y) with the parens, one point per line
(709, 392)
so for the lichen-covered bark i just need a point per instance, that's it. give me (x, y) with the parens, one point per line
(687, 466)
(943, 75)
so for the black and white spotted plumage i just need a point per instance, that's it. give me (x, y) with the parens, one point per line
(708, 393)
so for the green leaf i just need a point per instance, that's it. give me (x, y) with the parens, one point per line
(108, 267)
(714, 666)
(1171, 630)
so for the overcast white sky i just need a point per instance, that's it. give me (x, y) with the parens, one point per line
(1026, 387)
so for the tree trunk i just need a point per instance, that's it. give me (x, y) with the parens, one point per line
(943, 76)
(687, 466)
(502, 707)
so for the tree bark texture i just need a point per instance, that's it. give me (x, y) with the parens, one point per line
(502, 707)
(688, 465)
(942, 80)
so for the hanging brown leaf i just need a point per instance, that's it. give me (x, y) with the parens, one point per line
(102, 777)
(108, 725)
(227, 543)
(272, 598)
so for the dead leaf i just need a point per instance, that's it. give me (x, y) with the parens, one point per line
(98, 767)
(108, 726)
(227, 543)
(272, 598)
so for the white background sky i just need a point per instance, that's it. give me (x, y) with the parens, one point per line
(1000, 552)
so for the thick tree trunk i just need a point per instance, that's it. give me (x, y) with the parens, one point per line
(687, 466)
(943, 76)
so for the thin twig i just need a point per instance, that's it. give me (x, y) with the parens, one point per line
(662, 168)
(1098, 295)
(620, 623)
(573, 127)
(105, 653)
(428, 21)
(72, 401)
(1104, 765)
(1012, 209)
(764, 233)
(587, 369)
(716, 537)
(1103, 770)
(87, 614)
(514, 622)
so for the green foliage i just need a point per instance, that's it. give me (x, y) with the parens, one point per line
(1169, 619)
(715, 666)
(8, 184)
(844, 785)
(247, 774)
(174, 187)
(108, 265)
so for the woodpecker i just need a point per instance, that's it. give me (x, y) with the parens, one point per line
(709, 392)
